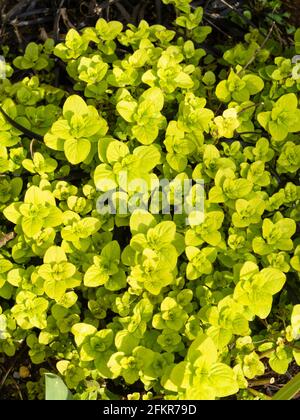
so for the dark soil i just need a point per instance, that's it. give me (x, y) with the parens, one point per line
(293, 6)
(22, 21)
(16, 372)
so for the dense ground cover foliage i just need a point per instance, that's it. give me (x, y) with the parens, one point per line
(144, 304)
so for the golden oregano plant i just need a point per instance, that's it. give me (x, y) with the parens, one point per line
(189, 310)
